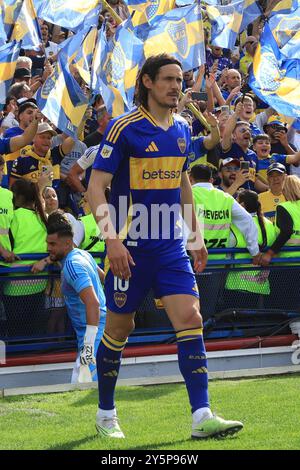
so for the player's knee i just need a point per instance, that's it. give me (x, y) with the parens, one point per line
(193, 317)
(122, 331)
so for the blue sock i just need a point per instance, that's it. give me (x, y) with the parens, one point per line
(193, 366)
(108, 365)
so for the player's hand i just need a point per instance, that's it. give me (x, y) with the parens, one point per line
(200, 259)
(87, 355)
(120, 259)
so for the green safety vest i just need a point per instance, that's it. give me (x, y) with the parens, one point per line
(6, 216)
(91, 234)
(293, 208)
(251, 281)
(213, 210)
(29, 234)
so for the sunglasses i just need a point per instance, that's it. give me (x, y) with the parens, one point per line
(232, 168)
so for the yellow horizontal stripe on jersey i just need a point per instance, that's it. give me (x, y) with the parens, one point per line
(119, 122)
(156, 173)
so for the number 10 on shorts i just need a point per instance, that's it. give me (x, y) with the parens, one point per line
(120, 284)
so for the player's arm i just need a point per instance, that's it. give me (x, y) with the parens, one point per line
(101, 274)
(195, 243)
(92, 308)
(118, 255)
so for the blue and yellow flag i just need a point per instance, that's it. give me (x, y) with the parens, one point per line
(251, 11)
(62, 100)
(11, 10)
(274, 79)
(78, 51)
(284, 6)
(180, 33)
(152, 12)
(286, 31)
(71, 14)
(115, 69)
(226, 22)
(9, 54)
(26, 28)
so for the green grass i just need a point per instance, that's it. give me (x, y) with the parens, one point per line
(156, 417)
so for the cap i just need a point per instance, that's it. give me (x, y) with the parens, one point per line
(229, 160)
(21, 101)
(45, 127)
(22, 72)
(276, 167)
(275, 119)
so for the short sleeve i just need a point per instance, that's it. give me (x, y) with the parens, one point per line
(112, 150)
(5, 145)
(77, 276)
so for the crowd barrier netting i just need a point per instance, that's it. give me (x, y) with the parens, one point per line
(237, 300)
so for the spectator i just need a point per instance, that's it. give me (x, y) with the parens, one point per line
(232, 89)
(22, 75)
(25, 113)
(24, 62)
(26, 317)
(270, 199)
(214, 56)
(247, 59)
(277, 131)
(9, 111)
(51, 48)
(262, 148)
(20, 90)
(232, 177)
(247, 113)
(103, 118)
(39, 157)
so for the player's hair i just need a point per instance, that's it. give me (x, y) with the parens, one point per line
(261, 137)
(252, 204)
(2, 161)
(58, 223)
(151, 67)
(291, 188)
(26, 192)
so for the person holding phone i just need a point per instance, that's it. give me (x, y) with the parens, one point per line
(232, 175)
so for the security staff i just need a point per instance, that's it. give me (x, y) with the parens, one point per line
(93, 241)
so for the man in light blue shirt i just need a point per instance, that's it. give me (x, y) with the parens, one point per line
(82, 291)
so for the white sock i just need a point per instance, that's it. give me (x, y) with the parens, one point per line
(106, 413)
(201, 414)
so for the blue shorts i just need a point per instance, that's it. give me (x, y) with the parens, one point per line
(166, 275)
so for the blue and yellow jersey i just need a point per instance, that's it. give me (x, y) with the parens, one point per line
(264, 163)
(147, 163)
(269, 202)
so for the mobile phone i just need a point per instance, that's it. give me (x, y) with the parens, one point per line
(245, 165)
(225, 109)
(199, 96)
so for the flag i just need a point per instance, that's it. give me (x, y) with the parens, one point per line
(71, 14)
(9, 54)
(26, 28)
(62, 100)
(11, 10)
(251, 11)
(179, 33)
(286, 31)
(152, 11)
(115, 69)
(78, 51)
(275, 79)
(284, 6)
(226, 21)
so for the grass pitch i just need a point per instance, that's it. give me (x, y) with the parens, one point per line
(156, 417)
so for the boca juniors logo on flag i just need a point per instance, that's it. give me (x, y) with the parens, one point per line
(152, 9)
(114, 66)
(178, 33)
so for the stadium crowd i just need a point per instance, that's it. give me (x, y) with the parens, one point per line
(244, 170)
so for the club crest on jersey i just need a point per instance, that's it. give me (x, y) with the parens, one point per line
(181, 144)
(152, 8)
(106, 151)
(120, 299)
(178, 33)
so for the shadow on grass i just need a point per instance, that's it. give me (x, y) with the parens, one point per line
(139, 394)
(73, 444)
